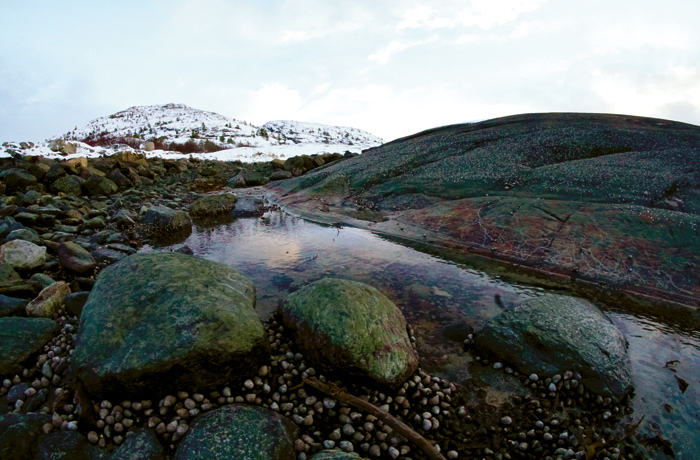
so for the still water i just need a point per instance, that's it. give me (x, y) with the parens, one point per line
(444, 301)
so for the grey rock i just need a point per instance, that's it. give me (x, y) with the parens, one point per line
(249, 206)
(25, 234)
(75, 258)
(238, 432)
(10, 306)
(22, 255)
(550, 334)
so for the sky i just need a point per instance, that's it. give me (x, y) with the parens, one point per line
(391, 67)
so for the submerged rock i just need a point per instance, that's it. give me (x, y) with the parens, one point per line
(351, 328)
(163, 321)
(239, 432)
(249, 206)
(551, 334)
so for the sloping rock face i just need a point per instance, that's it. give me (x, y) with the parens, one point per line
(351, 328)
(582, 199)
(157, 322)
(551, 334)
(239, 432)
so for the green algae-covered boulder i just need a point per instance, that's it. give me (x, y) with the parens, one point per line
(20, 338)
(351, 328)
(213, 204)
(551, 334)
(239, 432)
(167, 321)
(69, 185)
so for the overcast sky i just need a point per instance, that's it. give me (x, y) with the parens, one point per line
(391, 67)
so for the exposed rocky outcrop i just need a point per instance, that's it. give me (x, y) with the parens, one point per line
(581, 199)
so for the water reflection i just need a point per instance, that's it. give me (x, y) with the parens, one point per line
(442, 301)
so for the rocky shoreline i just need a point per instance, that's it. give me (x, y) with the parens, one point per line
(87, 218)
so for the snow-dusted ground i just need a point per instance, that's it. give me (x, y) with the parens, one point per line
(243, 154)
(178, 123)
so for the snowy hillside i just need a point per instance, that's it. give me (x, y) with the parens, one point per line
(177, 130)
(171, 126)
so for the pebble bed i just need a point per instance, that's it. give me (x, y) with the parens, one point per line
(557, 420)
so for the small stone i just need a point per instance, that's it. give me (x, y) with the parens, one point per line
(534, 377)
(427, 424)
(92, 437)
(495, 366)
(506, 420)
(393, 452)
(552, 388)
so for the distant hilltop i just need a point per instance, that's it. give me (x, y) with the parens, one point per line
(169, 129)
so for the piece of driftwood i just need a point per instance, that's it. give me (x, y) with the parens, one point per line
(396, 424)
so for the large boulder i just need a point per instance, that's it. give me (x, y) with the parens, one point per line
(351, 328)
(20, 338)
(551, 334)
(238, 432)
(75, 258)
(164, 321)
(68, 445)
(22, 255)
(213, 204)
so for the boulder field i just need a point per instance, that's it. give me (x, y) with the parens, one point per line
(607, 202)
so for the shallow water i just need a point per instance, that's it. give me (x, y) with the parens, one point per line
(443, 301)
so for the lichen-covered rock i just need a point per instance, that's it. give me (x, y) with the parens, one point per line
(213, 204)
(239, 432)
(163, 321)
(351, 328)
(162, 219)
(68, 445)
(49, 301)
(68, 185)
(141, 444)
(75, 258)
(551, 334)
(22, 255)
(20, 338)
(100, 185)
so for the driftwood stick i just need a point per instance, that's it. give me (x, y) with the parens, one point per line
(397, 425)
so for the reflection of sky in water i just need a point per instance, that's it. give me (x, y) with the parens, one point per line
(283, 253)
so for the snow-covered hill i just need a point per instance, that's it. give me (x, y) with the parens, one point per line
(179, 128)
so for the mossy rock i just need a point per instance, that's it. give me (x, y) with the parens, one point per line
(213, 204)
(167, 321)
(238, 432)
(350, 328)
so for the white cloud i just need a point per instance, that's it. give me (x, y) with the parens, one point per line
(633, 36)
(671, 94)
(272, 101)
(383, 55)
(484, 14)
